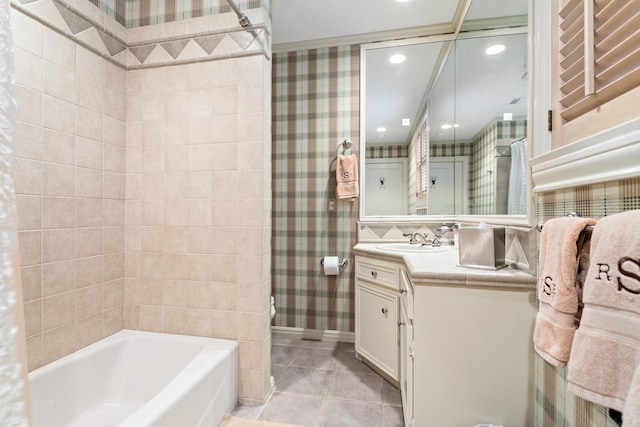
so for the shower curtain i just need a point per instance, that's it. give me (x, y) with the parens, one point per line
(517, 196)
(12, 402)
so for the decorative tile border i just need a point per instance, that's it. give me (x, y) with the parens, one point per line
(81, 22)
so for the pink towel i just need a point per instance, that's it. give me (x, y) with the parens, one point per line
(558, 287)
(631, 411)
(606, 347)
(347, 177)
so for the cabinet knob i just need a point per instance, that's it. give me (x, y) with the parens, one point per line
(403, 291)
(385, 310)
(374, 274)
(401, 323)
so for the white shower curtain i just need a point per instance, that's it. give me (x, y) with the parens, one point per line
(517, 196)
(12, 404)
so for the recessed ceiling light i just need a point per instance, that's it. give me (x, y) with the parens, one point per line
(446, 126)
(495, 49)
(406, 122)
(381, 129)
(402, 1)
(397, 59)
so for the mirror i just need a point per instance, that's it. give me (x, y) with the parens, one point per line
(444, 131)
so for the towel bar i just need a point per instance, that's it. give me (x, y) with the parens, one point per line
(588, 228)
(346, 145)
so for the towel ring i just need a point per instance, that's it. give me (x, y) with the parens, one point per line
(570, 214)
(346, 145)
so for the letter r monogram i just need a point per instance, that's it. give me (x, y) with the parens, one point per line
(603, 268)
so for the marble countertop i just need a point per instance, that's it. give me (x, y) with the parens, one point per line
(440, 268)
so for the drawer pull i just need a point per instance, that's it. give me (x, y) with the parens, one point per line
(385, 310)
(401, 323)
(374, 274)
(403, 291)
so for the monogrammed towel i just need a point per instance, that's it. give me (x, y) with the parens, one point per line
(347, 177)
(606, 348)
(561, 245)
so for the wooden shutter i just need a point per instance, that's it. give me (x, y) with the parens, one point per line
(422, 157)
(599, 53)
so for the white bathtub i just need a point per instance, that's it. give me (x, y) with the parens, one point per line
(138, 379)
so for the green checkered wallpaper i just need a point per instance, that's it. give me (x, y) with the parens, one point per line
(315, 107)
(555, 406)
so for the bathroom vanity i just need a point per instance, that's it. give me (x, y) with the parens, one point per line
(456, 340)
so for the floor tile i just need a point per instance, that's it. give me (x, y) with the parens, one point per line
(347, 361)
(349, 413)
(305, 381)
(391, 395)
(357, 386)
(316, 358)
(392, 416)
(247, 411)
(282, 355)
(277, 371)
(292, 408)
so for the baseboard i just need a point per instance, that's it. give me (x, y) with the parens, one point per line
(313, 334)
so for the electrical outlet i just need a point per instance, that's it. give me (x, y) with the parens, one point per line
(331, 206)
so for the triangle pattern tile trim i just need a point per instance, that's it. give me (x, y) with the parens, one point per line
(244, 38)
(113, 46)
(27, 1)
(209, 43)
(174, 48)
(75, 22)
(142, 52)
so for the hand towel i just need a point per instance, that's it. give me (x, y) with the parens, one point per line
(606, 347)
(347, 177)
(557, 287)
(631, 411)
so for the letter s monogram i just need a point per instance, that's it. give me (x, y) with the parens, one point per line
(628, 273)
(548, 287)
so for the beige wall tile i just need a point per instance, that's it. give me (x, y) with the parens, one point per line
(58, 212)
(151, 318)
(134, 160)
(88, 123)
(88, 301)
(134, 82)
(175, 320)
(224, 296)
(27, 176)
(175, 266)
(199, 294)
(58, 278)
(133, 187)
(88, 242)
(153, 212)
(153, 186)
(31, 282)
(34, 350)
(175, 213)
(29, 210)
(58, 310)
(113, 240)
(58, 147)
(59, 49)
(113, 294)
(226, 100)
(152, 159)
(115, 78)
(59, 82)
(132, 316)
(153, 133)
(30, 247)
(58, 245)
(198, 322)
(58, 180)
(225, 267)
(113, 212)
(133, 264)
(114, 159)
(115, 104)
(224, 128)
(112, 320)
(132, 212)
(89, 94)
(175, 239)
(28, 69)
(251, 384)
(27, 141)
(250, 354)
(200, 240)
(175, 293)
(89, 65)
(114, 131)
(251, 98)
(113, 266)
(89, 183)
(224, 324)
(27, 33)
(114, 186)
(152, 265)
(88, 330)
(59, 115)
(89, 153)
(176, 158)
(200, 130)
(58, 342)
(28, 106)
(89, 271)
(200, 267)
(152, 239)
(33, 317)
(154, 109)
(225, 157)
(88, 212)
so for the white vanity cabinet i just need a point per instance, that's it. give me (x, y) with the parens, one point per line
(377, 315)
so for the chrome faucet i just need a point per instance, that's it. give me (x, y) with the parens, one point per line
(417, 237)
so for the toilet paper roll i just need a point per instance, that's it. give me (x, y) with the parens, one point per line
(331, 267)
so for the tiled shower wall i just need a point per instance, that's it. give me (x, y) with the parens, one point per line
(555, 406)
(180, 127)
(315, 107)
(198, 207)
(69, 172)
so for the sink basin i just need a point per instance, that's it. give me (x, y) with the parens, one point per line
(406, 247)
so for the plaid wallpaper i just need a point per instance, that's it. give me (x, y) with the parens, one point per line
(386, 151)
(315, 107)
(555, 406)
(136, 13)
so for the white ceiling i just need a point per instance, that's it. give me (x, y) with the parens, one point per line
(395, 92)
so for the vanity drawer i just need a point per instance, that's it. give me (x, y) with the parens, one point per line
(378, 272)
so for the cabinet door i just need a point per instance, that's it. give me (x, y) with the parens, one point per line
(406, 365)
(596, 75)
(377, 327)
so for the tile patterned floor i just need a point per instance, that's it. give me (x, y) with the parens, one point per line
(322, 384)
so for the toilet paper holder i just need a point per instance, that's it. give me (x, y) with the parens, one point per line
(342, 262)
